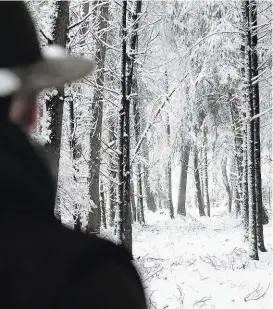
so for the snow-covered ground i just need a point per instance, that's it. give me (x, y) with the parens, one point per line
(198, 262)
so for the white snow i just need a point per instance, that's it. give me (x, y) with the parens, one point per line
(9, 82)
(195, 262)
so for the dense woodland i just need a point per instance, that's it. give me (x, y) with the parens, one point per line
(176, 117)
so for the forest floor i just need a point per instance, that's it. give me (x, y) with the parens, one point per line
(195, 262)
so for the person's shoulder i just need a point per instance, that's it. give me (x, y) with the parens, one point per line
(104, 273)
(92, 246)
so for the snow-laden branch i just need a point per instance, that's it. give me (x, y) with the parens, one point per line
(206, 37)
(87, 16)
(165, 100)
(261, 114)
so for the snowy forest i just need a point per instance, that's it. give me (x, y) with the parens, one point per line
(167, 147)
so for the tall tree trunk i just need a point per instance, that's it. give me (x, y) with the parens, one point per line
(245, 188)
(200, 201)
(54, 105)
(169, 174)
(102, 206)
(150, 199)
(238, 154)
(181, 206)
(206, 178)
(75, 146)
(112, 173)
(226, 183)
(124, 226)
(94, 216)
(169, 165)
(135, 101)
(256, 111)
(128, 62)
(140, 205)
(250, 140)
(245, 201)
(133, 203)
(76, 152)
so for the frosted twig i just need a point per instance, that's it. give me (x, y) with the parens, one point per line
(202, 300)
(152, 275)
(257, 290)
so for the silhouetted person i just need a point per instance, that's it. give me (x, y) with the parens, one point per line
(42, 263)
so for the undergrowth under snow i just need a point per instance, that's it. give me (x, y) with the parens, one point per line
(195, 262)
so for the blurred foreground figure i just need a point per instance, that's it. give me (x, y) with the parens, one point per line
(42, 263)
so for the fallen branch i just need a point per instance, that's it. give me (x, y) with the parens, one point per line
(152, 275)
(202, 300)
(257, 290)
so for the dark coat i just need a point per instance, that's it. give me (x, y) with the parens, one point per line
(42, 263)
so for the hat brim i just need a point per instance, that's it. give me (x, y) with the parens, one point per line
(54, 72)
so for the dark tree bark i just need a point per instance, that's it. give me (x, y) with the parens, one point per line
(169, 174)
(250, 140)
(135, 101)
(140, 207)
(124, 226)
(169, 165)
(133, 203)
(75, 146)
(256, 111)
(128, 62)
(245, 201)
(236, 124)
(133, 95)
(101, 15)
(112, 173)
(75, 152)
(150, 199)
(226, 183)
(181, 206)
(200, 201)
(245, 188)
(206, 178)
(54, 105)
(102, 206)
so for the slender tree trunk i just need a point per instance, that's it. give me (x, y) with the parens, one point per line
(76, 153)
(54, 105)
(234, 184)
(238, 142)
(124, 226)
(226, 183)
(94, 217)
(133, 203)
(112, 173)
(245, 201)
(75, 146)
(140, 205)
(245, 188)
(206, 181)
(135, 101)
(200, 202)
(250, 139)
(256, 111)
(150, 199)
(169, 174)
(128, 61)
(201, 175)
(102, 206)
(169, 165)
(181, 206)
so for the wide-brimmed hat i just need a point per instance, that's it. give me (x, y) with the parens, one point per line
(24, 68)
